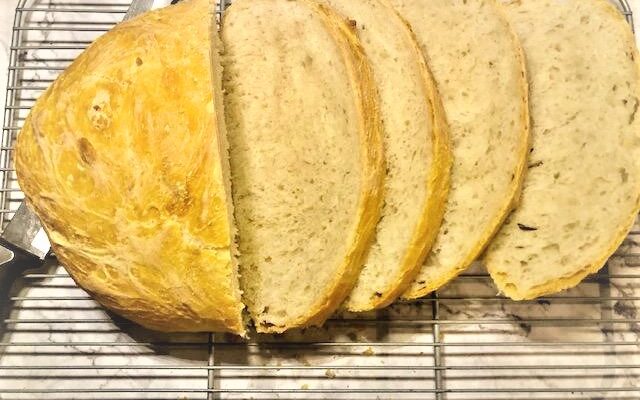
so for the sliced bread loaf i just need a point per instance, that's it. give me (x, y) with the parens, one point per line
(478, 65)
(306, 157)
(582, 190)
(416, 149)
(123, 159)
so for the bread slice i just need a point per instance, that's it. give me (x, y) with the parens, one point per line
(123, 160)
(416, 148)
(582, 191)
(306, 157)
(478, 65)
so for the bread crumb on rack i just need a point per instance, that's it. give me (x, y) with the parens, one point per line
(368, 352)
(330, 373)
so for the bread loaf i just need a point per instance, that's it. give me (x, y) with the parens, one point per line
(478, 65)
(306, 157)
(123, 159)
(582, 189)
(416, 148)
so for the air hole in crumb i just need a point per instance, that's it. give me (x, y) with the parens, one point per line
(535, 164)
(527, 228)
(624, 175)
(138, 61)
(632, 117)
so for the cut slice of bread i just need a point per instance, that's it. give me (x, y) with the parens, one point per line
(306, 157)
(416, 149)
(123, 159)
(478, 66)
(582, 190)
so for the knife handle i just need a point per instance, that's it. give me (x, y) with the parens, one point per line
(14, 259)
(13, 263)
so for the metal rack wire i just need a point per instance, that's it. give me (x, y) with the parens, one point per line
(461, 343)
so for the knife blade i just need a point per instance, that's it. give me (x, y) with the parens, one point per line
(138, 7)
(25, 232)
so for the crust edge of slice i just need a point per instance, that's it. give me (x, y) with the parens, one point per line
(425, 231)
(508, 288)
(372, 174)
(513, 199)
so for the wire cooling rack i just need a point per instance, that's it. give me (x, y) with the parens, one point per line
(461, 343)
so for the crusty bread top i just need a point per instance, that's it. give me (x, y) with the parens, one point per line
(416, 149)
(479, 69)
(582, 190)
(120, 158)
(306, 157)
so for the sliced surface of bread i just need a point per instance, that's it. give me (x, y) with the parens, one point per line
(478, 66)
(416, 149)
(582, 189)
(306, 157)
(123, 160)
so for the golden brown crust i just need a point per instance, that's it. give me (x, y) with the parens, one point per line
(120, 159)
(437, 181)
(512, 197)
(372, 156)
(574, 279)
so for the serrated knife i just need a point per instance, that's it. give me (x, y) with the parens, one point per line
(24, 243)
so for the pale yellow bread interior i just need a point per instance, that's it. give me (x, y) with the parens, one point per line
(582, 190)
(416, 149)
(478, 65)
(306, 157)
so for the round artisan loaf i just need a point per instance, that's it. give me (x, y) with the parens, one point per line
(478, 66)
(582, 190)
(123, 159)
